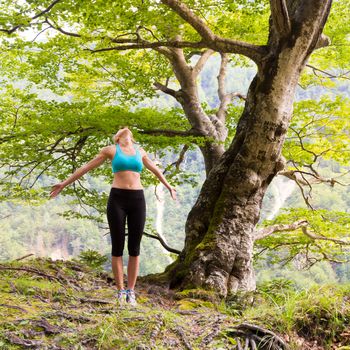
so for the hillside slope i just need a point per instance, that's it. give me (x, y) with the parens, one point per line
(47, 304)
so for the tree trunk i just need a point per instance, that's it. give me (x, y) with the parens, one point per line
(212, 152)
(219, 229)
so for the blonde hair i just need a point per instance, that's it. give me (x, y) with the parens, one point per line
(116, 139)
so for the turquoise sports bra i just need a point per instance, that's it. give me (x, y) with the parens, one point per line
(122, 161)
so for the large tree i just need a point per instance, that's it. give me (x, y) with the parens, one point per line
(221, 227)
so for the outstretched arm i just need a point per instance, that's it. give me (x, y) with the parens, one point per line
(94, 163)
(150, 165)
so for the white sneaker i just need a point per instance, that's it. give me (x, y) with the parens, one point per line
(121, 296)
(130, 297)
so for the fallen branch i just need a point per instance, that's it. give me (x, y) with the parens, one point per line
(96, 301)
(25, 256)
(27, 269)
(14, 307)
(69, 317)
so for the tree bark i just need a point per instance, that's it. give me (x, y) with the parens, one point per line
(220, 227)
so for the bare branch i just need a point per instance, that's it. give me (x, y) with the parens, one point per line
(181, 158)
(172, 250)
(165, 89)
(225, 99)
(201, 62)
(303, 224)
(56, 27)
(194, 53)
(266, 231)
(316, 178)
(315, 69)
(5, 217)
(314, 236)
(327, 257)
(305, 197)
(12, 30)
(222, 75)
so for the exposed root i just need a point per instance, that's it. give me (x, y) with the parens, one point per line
(183, 337)
(156, 329)
(215, 329)
(14, 307)
(256, 337)
(28, 343)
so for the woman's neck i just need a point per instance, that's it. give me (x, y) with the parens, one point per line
(125, 143)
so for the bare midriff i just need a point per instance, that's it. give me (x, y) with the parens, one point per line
(128, 180)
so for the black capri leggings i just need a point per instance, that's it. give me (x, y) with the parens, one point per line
(126, 204)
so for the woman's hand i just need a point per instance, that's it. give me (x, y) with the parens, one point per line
(172, 192)
(56, 189)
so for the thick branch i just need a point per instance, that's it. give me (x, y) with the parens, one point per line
(280, 17)
(201, 62)
(322, 41)
(186, 13)
(155, 45)
(213, 41)
(210, 40)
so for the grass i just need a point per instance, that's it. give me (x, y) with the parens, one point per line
(319, 313)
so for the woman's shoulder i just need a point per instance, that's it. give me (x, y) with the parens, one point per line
(108, 150)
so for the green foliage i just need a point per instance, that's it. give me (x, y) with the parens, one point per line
(327, 236)
(93, 259)
(318, 130)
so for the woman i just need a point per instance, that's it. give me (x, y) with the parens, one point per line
(126, 202)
